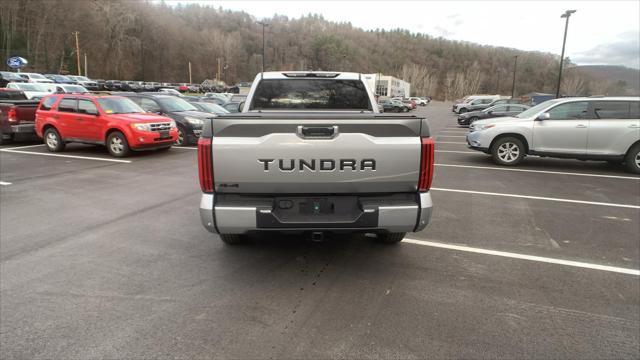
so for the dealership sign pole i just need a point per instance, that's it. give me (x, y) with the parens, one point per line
(16, 62)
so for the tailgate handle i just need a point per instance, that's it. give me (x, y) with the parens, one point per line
(317, 132)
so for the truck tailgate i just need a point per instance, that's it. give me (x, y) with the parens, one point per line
(322, 154)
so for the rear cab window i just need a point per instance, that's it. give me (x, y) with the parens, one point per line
(310, 94)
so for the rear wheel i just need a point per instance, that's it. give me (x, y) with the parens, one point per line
(390, 238)
(53, 141)
(233, 239)
(632, 159)
(117, 144)
(508, 151)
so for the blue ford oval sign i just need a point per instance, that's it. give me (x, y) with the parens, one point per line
(16, 62)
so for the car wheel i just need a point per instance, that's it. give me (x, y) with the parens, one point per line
(632, 159)
(390, 238)
(233, 239)
(53, 141)
(473, 119)
(462, 111)
(405, 109)
(117, 144)
(182, 137)
(507, 151)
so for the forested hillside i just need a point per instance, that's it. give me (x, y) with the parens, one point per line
(139, 40)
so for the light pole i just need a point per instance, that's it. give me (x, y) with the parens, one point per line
(515, 66)
(566, 15)
(264, 24)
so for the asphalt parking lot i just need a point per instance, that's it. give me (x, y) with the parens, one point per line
(108, 259)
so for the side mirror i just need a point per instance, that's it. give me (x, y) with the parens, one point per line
(240, 106)
(544, 116)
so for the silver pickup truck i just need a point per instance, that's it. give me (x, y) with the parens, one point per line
(309, 153)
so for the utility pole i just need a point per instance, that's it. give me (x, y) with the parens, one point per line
(566, 15)
(190, 72)
(218, 72)
(78, 52)
(513, 85)
(263, 49)
(85, 66)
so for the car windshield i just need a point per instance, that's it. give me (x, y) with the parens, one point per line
(171, 91)
(74, 89)
(10, 76)
(174, 104)
(536, 109)
(82, 78)
(30, 87)
(61, 77)
(213, 108)
(119, 105)
(36, 76)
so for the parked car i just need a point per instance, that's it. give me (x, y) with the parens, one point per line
(60, 79)
(17, 116)
(419, 101)
(209, 107)
(505, 101)
(469, 98)
(114, 121)
(35, 78)
(188, 118)
(169, 91)
(113, 85)
(237, 98)
(478, 103)
(70, 89)
(101, 84)
(410, 104)
(85, 81)
(183, 87)
(33, 91)
(495, 111)
(605, 128)
(8, 77)
(390, 105)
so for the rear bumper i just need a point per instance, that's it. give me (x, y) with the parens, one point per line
(228, 216)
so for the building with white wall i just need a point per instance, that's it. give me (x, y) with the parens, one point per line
(385, 85)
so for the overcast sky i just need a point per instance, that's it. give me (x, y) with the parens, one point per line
(601, 32)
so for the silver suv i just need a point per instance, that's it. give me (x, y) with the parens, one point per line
(605, 128)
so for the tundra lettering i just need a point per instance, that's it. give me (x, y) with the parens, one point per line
(325, 164)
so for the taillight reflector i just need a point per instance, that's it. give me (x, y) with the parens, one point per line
(426, 164)
(12, 115)
(205, 164)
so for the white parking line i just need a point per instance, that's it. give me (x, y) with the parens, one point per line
(460, 152)
(539, 198)
(23, 147)
(541, 171)
(579, 264)
(65, 156)
(184, 147)
(4, 183)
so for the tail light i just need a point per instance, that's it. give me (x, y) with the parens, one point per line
(12, 115)
(205, 164)
(426, 164)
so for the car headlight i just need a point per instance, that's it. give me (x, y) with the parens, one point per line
(172, 124)
(194, 121)
(141, 127)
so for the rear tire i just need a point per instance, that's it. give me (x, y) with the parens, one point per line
(118, 145)
(182, 137)
(53, 141)
(632, 159)
(508, 151)
(233, 239)
(390, 238)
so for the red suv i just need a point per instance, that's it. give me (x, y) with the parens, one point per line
(114, 121)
